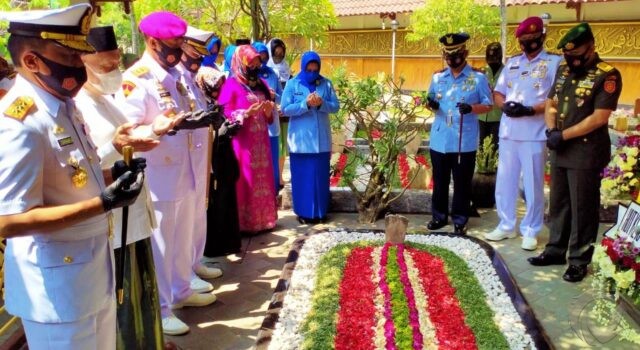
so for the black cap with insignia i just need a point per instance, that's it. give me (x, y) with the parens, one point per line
(453, 41)
(67, 26)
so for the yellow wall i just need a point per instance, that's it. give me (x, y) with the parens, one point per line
(418, 71)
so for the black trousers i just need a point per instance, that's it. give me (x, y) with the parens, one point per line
(489, 128)
(574, 213)
(444, 166)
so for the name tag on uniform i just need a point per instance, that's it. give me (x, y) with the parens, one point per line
(514, 67)
(587, 84)
(65, 141)
(524, 74)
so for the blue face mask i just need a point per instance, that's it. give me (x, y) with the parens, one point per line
(310, 76)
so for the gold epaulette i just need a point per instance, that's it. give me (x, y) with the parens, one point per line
(20, 108)
(440, 71)
(604, 66)
(140, 71)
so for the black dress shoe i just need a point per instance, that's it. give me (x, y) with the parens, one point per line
(575, 273)
(460, 229)
(436, 224)
(546, 260)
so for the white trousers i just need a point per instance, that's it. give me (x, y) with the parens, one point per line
(95, 332)
(172, 244)
(526, 158)
(203, 170)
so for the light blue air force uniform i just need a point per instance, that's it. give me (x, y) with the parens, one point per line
(470, 87)
(56, 276)
(309, 129)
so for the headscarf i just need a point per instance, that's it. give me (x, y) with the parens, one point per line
(210, 60)
(208, 79)
(240, 62)
(306, 78)
(282, 69)
(228, 55)
(261, 47)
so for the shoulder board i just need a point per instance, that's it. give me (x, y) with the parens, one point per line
(553, 53)
(440, 71)
(516, 55)
(12, 75)
(20, 108)
(604, 66)
(140, 71)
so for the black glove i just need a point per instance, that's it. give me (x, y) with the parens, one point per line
(514, 109)
(433, 104)
(119, 167)
(198, 119)
(464, 108)
(123, 191)
(229, 128)
(554, 138)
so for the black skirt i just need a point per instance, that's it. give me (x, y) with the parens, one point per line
(223, 228)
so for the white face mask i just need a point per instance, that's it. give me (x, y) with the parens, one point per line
(109, 83)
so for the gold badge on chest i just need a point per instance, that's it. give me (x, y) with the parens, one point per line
(80, 177)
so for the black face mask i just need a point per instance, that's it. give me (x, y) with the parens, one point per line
(495, 66)
(531, 46)
(192, 64)
(252, 74)
(65, 80)
(576, 64)
(169, 56)
(455, 60)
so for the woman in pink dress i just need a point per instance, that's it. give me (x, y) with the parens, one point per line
(247, 99)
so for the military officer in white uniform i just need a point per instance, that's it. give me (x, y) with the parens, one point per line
(521, 93)
(110, 131)
(54, 206)
(153, 92)
(194, 49)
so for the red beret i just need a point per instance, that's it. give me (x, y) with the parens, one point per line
(163, 25)
(530, 25)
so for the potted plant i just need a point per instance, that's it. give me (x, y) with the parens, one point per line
(483, 186)
(386, 118)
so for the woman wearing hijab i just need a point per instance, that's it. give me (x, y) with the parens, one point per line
(277, 62)
(308, 99)
(248, 100)
(213, 47)
(223, 231)
(228, 55)
(268, 75)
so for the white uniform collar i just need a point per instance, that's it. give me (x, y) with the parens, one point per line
(42, 98)
(157, 70)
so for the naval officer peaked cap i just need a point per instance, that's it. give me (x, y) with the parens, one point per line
(67, 26)
(198, 38)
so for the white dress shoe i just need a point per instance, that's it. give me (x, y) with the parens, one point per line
(195, 299)
(498, 235)
(207, 272)
(173, 326)
(197, 285)
(529, 243)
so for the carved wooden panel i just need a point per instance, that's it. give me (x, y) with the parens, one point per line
(613, 40)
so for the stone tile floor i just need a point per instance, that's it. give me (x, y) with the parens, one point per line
(249, 279)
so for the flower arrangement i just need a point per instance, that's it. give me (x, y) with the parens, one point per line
(415, 172)
(616, 265)
(351, 290)
(620, 177)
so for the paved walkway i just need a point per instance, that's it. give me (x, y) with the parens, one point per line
(246, 287)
